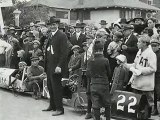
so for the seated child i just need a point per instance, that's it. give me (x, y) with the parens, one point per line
(19, 74)
(121, 75)
(35, 75)
(75, 61)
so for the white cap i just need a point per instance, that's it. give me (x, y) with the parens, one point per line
(122, 58)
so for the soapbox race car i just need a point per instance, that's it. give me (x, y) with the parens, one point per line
(124, 105)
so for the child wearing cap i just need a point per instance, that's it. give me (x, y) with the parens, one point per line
(98, 70)
(121, 75)
(36, 49)
(19, 74)
(74, 63)
(35, 77)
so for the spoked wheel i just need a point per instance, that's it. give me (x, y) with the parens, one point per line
(73, 82)
(36, 91)
(14, 88)
(79, 104)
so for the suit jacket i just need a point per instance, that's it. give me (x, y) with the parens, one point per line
(81, 39)
(132, 48)
(56, 52)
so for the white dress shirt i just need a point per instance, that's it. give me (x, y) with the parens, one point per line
(4, 46)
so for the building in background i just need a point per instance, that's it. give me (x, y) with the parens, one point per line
(156, 3)
(92, 11)
(149, 2)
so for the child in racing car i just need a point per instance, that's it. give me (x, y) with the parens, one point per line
(35, 75)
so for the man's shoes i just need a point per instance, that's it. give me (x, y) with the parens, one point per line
(155, 112)
(49, 109)
(56, 113)
(88, 116)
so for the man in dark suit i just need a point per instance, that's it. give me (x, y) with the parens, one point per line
(103, 24)
(129, 47)
(55, 56)
(78, 38)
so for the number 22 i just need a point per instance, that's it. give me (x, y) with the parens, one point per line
(122, 100)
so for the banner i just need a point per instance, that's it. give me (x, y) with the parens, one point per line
(4, 76)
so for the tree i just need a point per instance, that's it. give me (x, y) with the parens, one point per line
(28, 13)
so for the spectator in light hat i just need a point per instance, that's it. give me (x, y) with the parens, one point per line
(36, 49)
(121, 75)
(155, 44)
(74, 63)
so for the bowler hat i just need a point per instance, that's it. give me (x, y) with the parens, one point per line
(138, 17)
(52, 20)
(103, 22)
(123, 21)
(34, 58)
(128, 27)
(78, 25)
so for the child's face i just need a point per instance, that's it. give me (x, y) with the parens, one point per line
(35, 45)
(75, 51)
(119, 62)
(21, 67)
(35, 62)
(115, 38)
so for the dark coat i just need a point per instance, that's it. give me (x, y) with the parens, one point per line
(120, 78)
(60, 49)
(157, 75)
(132, 49)
(99, 70)
(81, 39)
(56, 55)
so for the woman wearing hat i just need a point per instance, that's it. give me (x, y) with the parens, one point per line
(75, 60)
(36, 51)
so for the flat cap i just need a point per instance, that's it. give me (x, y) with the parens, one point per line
(36, 42)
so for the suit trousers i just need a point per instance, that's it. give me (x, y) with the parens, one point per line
(2, 60)
(55, 90)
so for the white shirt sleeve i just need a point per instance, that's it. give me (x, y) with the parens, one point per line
(7, 46)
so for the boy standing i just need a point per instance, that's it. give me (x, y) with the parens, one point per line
(99, 71)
